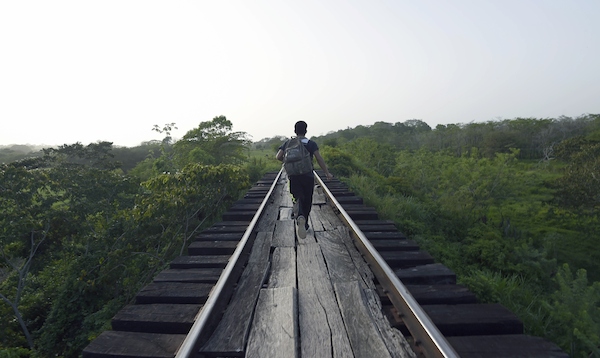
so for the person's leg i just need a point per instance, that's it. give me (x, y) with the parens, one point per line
(298, 188)
(308, 187)
(297, 193)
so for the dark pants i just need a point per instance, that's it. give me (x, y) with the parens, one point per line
(301, 187)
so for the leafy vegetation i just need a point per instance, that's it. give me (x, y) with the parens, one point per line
(511, 206)
(79, 238)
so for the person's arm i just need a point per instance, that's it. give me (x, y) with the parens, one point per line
(279, 155)
(322, 164)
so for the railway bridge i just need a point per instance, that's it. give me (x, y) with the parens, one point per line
(354, 287)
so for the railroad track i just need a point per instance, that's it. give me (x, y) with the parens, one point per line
(249, 287)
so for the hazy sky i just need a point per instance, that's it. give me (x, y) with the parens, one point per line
(110, 70)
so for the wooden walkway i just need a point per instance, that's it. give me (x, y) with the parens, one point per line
(312, 297)
(264, 293)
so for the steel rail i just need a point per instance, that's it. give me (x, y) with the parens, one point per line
(426, 334)
(191, 340)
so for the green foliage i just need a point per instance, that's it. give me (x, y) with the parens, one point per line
(339, 162)
(212, 142)
(96, 155)
(269, 144)
(500, 203)
(407, 211)
(198, 192)
(472, 197)
(130, 157)
(575, 319)
(379, 157)
(579, 188)
(534, 138)
(113, 245)
(79, 239)
(14, 353)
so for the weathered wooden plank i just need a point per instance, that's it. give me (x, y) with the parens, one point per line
(267, 181)
(397, 345)
(436, 294)
(517, 346)
(262, 247)
(271, 212)
(315, 219)
(283, 268)
(229, 338)
(339, 263)
(385, 235)
(374, 222)
(352, 207)
(349, 200)
(156, 318)
(329, 219)
(245, 207)
(245, 201)
(173, 292)
(345, 264)
(432, 274)
(358, 260)
(198, 275)
(230, 224)
(258, 189)
(403, 259)
(283, 235)
(212, 236)
(232, 229)
(114, 344)
(395, 245)
(319, 197)
(257, 195)
(337, 185)
(212, 247)
(363, 334)
(340, 193)
(285, 213)
(321, 325)
(256, 192)
(474, 319)
(274, 328)
(441, 294)
(362, 214)
(214, 261)
(285, 196)
(238, 215)
(378, 228)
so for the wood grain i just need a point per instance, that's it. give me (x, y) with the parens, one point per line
(274, 328)
(322, 330)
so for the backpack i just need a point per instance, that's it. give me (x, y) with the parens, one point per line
(296, 158)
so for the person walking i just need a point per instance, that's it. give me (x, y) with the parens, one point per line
(302, 186)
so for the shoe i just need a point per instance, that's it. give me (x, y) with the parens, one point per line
(301, 222)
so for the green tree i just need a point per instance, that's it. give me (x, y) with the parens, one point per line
(96, 155)
(185, 200)
(372, 154)
(213, 143)
(579, 187)
(24, 202)
(575, 313)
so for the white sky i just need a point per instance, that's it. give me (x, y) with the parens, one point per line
(110, 70)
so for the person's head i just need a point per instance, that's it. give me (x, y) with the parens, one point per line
(300, 128)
